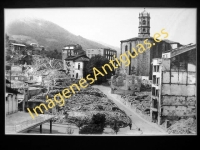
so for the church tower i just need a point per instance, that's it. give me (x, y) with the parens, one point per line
(144, 24)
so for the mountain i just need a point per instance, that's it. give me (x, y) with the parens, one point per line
(46, 34)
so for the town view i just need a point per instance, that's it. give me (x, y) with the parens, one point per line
(100, 71)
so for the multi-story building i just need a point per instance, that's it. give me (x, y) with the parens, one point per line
(75, 66)
(108, 53)
(142, 63)
(71, 50)
(174, 84)
(93, 52)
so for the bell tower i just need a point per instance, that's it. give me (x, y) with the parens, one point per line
(144, 24)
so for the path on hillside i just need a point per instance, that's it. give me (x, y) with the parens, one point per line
(148, 128)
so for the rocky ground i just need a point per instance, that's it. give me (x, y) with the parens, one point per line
(89, 101)
(183, 126)
(141, 101)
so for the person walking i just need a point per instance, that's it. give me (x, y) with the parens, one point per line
(130, 125)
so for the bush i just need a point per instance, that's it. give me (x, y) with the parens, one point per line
(96, 126)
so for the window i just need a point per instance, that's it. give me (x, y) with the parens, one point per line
(78, 66)
(153, 91)
(126, 48)
(158, 68)
(157, 92)
(158, 81)
(155, 103)
(144, 30)
(76, 75)
(154, 68)
(154, 79)
(144, 22)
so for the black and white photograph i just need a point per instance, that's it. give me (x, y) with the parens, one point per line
(100, 71)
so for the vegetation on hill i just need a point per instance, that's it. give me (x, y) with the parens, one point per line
(47, 34)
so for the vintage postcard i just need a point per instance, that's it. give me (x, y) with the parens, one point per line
(100, 71)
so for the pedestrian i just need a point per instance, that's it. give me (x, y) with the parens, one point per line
(130, 125)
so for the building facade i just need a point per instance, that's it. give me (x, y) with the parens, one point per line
(72, 50)
(19, 48)
(174, 85)
(75, 66)
(141, 64)
(108, 53)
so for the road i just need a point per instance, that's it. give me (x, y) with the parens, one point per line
(146, 127)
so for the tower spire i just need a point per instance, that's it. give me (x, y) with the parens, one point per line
(144, 24)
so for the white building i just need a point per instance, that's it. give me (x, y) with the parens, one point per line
(75, 66)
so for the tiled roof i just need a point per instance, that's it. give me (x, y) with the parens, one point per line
(82, 59)
(136, 38)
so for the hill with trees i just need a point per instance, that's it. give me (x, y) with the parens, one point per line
(47, 34)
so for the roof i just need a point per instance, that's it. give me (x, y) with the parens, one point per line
(170, 42)
(10, 90)
(69, 45)
(136, 38)
(76, 57)
(82, 59)
(144, 13)
(182, 49)
(7, 81)
(18, 44)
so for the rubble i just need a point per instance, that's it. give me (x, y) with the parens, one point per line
(82, 105)
(183, 126)
(141, 100)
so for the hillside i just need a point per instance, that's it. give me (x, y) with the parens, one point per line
(47, 34)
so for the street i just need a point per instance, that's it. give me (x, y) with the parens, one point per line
(147, 128)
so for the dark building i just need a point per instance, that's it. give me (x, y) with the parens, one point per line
(109, 53)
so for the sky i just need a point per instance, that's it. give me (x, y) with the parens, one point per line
(111, 25)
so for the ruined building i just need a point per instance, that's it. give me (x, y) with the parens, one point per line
(142, 63)
(174, 85)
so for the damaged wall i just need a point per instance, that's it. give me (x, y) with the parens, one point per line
(178, 89)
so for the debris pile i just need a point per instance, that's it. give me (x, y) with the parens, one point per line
(183, 126)
(87, 102)
(141, 100)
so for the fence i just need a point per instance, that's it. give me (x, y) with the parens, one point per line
(28, 123)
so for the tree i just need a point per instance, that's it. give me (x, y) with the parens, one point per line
(96, 126)
(98, 61)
